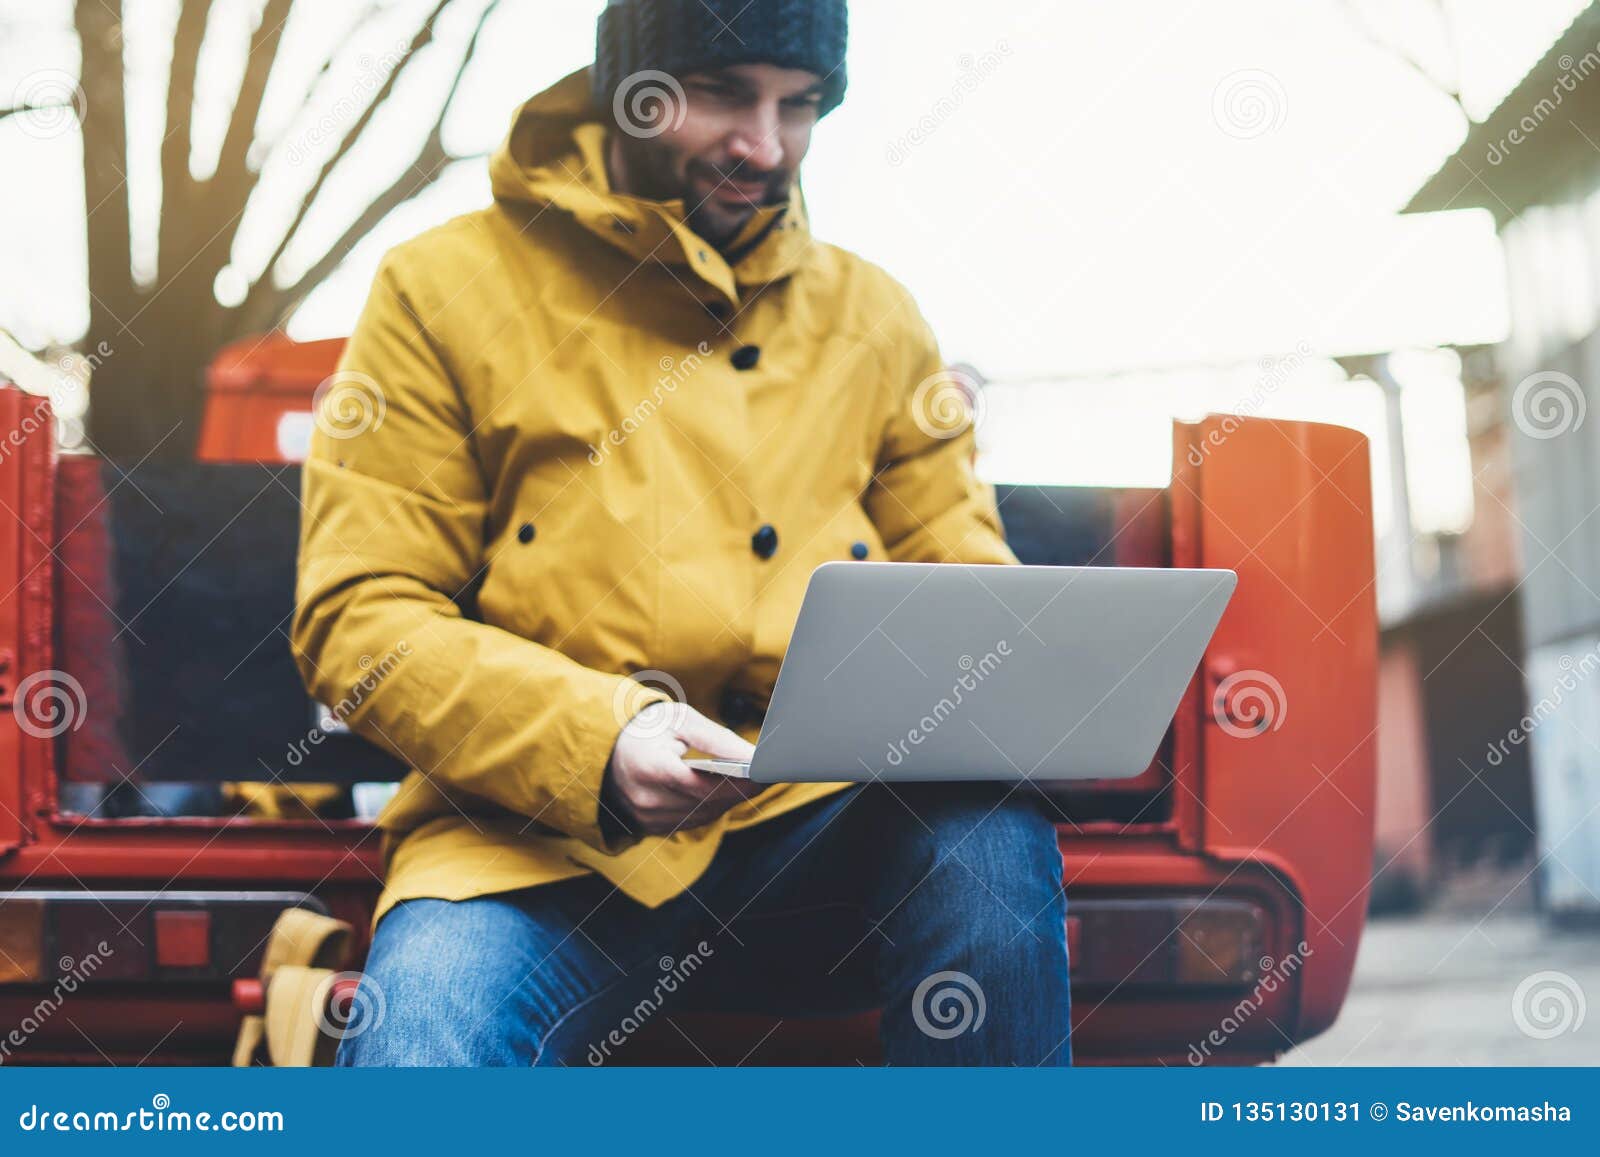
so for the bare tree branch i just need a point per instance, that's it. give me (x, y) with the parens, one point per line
(1447, 28)
(421, 40)
(178, 195)
(1367, 33)
(22, 110)
(105, 152)
(267, 300)
(424, 171)
(362, 23)
(233, 162)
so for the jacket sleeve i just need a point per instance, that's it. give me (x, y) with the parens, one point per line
(392, 534)
(925, 497)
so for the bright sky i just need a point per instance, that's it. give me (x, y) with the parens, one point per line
(1070, 188)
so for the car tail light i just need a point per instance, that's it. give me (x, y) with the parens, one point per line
(1141, 944)
(1220, 943)
(188, 936)
(21, 941)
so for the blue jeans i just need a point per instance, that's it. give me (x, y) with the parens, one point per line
(940, 904)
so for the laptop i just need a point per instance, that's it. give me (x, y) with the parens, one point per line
(912, 671)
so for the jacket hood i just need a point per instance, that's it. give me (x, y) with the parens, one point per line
(554, 158)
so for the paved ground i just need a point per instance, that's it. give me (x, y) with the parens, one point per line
(1458, 987)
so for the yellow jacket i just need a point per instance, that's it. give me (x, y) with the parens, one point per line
(546, 464)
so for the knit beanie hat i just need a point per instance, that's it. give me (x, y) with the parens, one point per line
(678, 37)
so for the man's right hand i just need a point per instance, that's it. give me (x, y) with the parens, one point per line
(649, 782)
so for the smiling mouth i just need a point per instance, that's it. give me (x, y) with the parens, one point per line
(733, 194)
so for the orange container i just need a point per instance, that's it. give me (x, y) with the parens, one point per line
(260, 398)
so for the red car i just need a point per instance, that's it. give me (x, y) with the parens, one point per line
(1216, 901)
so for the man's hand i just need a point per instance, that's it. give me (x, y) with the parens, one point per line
(649, 782)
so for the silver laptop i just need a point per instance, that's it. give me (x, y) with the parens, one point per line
(909, 671)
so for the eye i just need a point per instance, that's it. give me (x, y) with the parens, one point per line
(801, 109)
(713, 90)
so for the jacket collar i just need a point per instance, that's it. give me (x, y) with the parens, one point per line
(555, 159)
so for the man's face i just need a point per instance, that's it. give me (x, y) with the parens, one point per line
(735, 146)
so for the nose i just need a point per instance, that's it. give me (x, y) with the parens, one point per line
(756, 143)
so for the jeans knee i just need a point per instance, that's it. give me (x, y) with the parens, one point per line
(995, 838)
(973, 964)
(984, 868)
(435, 990)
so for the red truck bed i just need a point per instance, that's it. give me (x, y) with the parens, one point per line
(1216, 902)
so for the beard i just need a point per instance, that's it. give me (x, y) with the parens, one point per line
(658, 173)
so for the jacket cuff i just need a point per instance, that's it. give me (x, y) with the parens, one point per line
(600, 708)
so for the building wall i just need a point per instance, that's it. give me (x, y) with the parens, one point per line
(1403, 869)
(1552, 421)
(1491, 550)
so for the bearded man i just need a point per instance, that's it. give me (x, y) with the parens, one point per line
(626, 411)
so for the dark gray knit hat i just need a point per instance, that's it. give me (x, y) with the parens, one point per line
(678, 37)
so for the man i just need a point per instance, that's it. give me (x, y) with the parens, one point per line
(585, 449)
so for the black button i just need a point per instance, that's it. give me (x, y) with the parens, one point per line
(719, 309)
(859, 551)
(765, 541)
(746, 357)
(740, 708)
(526, 533)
